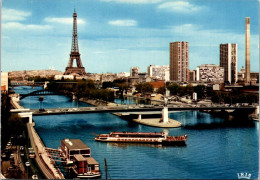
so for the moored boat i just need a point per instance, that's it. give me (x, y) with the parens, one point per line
(142, 137)
(78, 154)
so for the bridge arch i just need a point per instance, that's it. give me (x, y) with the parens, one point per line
(38, 93)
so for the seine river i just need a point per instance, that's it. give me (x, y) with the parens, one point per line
(216, 148)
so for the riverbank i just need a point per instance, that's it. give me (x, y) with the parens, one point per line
(97, 102)
(42, 158)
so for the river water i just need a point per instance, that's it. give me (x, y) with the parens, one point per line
(216, 148)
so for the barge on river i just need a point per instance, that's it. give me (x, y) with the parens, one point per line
(78, 154)
(142, 137)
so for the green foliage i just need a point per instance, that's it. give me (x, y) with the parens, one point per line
(41, 79)
(173, 88)
(234, 97)
(144, 87)
(176, 89)
(200, 90)
(84, 88)
(121, 83)
(161, 90)
(122, 86)
(107, 85)
(15, 124)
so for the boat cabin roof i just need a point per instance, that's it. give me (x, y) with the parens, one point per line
(90, 160)
(137, 133)
(79, 157)
(73, 144)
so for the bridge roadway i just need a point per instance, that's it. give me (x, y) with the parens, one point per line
(132, 108)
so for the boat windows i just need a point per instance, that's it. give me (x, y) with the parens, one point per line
(74, 152)
(87, 151)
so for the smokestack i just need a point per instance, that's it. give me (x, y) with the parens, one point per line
(247, 55)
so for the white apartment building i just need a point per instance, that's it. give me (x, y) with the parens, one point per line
(161, 72)
(210, 73)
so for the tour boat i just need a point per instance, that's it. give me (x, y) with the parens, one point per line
(142, 137)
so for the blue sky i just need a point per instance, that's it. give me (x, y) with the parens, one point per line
(115, 35)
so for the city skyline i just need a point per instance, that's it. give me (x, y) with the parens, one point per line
(115, 35)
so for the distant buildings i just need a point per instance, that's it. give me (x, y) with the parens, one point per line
(228, 60)
(4, 81)
(210, 73)
(60, 77)
(192, 75)
(108, 77)
(160, 72)
(24, 75)
(241, 74)
(123, 74)
(134, 71)
(179, 61)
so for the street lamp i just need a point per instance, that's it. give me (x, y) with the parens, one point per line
(41, 100)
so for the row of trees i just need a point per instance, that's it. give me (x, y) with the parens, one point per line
(216, 96)
(233, 98)
(12, 124)
(83, 88)
(87, 88)
(174, 89)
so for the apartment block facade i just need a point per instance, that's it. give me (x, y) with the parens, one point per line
(210, 73)
(228, 60)
(160, 72)
(179, 61)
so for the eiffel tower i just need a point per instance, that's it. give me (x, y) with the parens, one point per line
(74, 54)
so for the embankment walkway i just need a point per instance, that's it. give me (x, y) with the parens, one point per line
(44, 161)
(42, 158)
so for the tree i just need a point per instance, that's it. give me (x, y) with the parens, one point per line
(144, 87)
(173, 88)
(107, 85)
(161, 90)
(200, 90)
(15, 124)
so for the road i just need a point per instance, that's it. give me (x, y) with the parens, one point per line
(135, 108)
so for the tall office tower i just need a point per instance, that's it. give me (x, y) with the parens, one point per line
(228, 60)
(179, 61)
(247, 55)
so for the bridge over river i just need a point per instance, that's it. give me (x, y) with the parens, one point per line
(136, 109)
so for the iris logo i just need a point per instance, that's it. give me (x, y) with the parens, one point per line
(243, 175)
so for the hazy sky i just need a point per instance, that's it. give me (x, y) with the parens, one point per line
(117, 34)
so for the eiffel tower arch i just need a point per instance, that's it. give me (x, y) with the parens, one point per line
(74, 54)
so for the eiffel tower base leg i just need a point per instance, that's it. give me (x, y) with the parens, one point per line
(75, 70)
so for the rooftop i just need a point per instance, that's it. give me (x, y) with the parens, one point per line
(79, 157)
(91, 160)
(74, 144)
